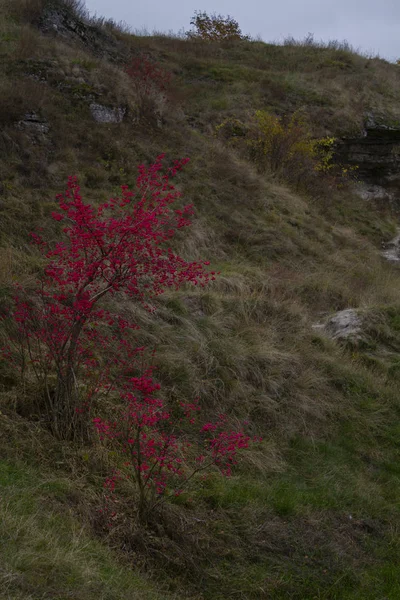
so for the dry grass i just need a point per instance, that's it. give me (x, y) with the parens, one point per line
(25, 10)
(31, 10)
(18, 98)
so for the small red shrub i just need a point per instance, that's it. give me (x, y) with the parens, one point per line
(119, 248)
(159, 457)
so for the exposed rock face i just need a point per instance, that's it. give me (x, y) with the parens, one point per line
(344, 325)
(31, 121)
(369, 191)
(105, 114)
(59, 20)
(392, 249)
(377, 155)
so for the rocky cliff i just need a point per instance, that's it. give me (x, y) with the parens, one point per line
(376, 154)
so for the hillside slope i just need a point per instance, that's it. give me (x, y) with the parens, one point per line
(313, 511)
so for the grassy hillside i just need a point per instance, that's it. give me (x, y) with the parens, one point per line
(313, 512)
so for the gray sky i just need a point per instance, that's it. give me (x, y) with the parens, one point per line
(371, 25)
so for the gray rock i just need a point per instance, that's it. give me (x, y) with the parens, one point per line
(105, 114)
(62, 21)
(344, 325)
(373, 192)
(392, 249)
(376, 153)
(32, 121)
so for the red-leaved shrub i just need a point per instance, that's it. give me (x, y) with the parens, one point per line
(122, 247)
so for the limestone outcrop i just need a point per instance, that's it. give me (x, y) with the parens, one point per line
(376, 153)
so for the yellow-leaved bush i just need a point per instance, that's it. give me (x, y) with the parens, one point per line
(285, 148)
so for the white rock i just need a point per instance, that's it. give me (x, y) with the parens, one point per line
(33, 122)
(373, 192)
(104, 114)
(343, 325)
(392, 249)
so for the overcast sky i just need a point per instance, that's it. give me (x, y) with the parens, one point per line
(372, 26)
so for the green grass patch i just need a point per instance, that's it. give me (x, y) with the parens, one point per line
(46, 553)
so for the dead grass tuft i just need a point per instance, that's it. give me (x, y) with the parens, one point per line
(25, 10)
